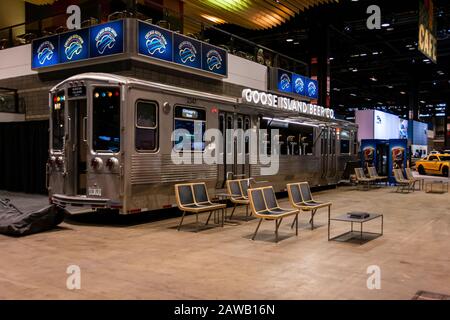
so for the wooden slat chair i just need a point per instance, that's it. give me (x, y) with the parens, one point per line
(410, 177)
(402, 183)
(265, 206)
(373, 173)
(193, 198)
(238, 192)
(362, 179)
(301, 198)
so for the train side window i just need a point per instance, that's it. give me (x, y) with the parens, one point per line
(345, 142)
(294, 138)
(192, 121)
(146, 134)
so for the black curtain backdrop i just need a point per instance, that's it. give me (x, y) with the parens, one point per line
(23, 155)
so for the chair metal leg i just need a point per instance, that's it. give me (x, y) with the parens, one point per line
(209, 217)
(277, 226)
(296, 224)
(181, 222)
(313, 213)
(293, 222)
(232, 212)
(196, 222)
(223, 216)
(257, 228)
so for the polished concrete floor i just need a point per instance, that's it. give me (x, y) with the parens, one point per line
(146, 258)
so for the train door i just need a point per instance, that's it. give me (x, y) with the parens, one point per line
(233, 167)
(332, 172)
(76, 150)
(324, 147)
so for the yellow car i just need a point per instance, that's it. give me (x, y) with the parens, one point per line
(434, 164)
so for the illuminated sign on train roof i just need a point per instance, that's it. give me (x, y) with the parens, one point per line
(269, 100)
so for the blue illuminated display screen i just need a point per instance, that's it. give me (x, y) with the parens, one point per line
(299, 84)
(293, 83)
(312, 89)
(214, 59)
(106, 39)
(155, 42)
(187, 52)
(74, 46)
(45, 52)
(284, 81)
(109, 39)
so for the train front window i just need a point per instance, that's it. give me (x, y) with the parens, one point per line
(193, 123)
(106, 120)
(146, 126)
(58, 106)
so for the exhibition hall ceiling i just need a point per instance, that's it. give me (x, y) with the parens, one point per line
(252, 14)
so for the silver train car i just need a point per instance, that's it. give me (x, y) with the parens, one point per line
(111, 143)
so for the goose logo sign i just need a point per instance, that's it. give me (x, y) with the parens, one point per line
(312, 89)
(187, 51)
(73, 46)
(155, 42)
(45, 52)
(106, 39)
(213, 60)
(299, 85)
(285, 82)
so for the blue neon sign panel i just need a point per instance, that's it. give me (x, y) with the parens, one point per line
(74, 46)
(109, 39)
(187, 51)
(284, 81)
(45, 52)
(312, 89)
(214, 59)
(155, 42)
(106, 39)
(289, 82)
(299, 84)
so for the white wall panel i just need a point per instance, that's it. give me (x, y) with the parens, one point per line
(15, 62)
(246, 73)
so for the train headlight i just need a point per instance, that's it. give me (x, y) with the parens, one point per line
(112, 164)
(97, 163)
(52, 161)
(60, 161)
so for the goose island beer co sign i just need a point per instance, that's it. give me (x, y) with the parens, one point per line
(269, 100)
(427, 30)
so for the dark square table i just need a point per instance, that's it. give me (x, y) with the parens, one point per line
(360, 234)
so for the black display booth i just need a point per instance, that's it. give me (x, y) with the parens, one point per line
(23, 156)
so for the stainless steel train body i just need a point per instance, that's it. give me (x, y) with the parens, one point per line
(110, 143)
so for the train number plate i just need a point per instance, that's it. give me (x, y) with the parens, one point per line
(96, 192)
